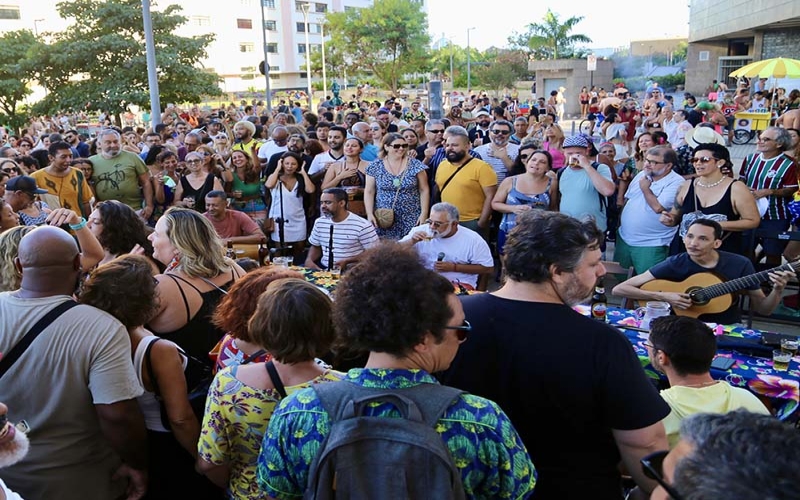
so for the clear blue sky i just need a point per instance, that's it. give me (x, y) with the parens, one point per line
(608, 24)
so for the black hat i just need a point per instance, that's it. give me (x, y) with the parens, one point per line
(24, 183)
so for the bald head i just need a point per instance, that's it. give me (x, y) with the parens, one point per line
(47, 246)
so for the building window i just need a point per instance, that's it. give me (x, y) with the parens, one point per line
(248, 77)
(301, 27)
(244, 24)
(270, 25)
(247, 47)
(274, 68)
(301, 48)
(298, 6)
(270, 4)
(315, 47)
(248, 69)
(9, 12)
(322, 7)
(200, 20)
(274, 77)
(272, 48)
(303, 74)
(703, 55)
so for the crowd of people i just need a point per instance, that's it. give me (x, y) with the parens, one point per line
(196, 374)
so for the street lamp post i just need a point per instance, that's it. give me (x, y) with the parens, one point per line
(324, 74)
(305, 8)
(469, 69)
(266, 57)
(452, 77)
(36, 26)
(152, 75)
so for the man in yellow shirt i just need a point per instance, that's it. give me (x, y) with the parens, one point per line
(64, 181)
(466, 182)
(244, 132)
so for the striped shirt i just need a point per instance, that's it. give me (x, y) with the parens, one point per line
(775, 173)
(350, 237)
(497, 164)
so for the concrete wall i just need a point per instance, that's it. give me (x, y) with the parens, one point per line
(700, 74)
(717, 18)
(576, 75)
(781, 43)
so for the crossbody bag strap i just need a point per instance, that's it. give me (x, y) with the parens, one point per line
(14, 354)
(275, 378)
(149, 367)
(459, 169)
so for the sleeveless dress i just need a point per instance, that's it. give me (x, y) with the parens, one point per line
(721, 211)
(540, 201)
(294, 229)
(199, 195)
(355, 193)
(251, 202)
(407, 209)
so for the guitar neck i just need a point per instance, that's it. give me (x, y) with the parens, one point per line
(745, 282)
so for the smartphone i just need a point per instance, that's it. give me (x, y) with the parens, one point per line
(723, 363)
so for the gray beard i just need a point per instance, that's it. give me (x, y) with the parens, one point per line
(13, 452)
(109, 156)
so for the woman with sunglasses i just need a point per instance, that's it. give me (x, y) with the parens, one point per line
(537, 188)
(377, 131)
(396, 181)
(351, 174)
(194, 186)
(713, 195)
(419, 335)
(10, 168)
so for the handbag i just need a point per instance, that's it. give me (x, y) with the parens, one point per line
(436, 193)
(384, 217)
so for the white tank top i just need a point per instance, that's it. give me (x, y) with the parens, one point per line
(148, 403)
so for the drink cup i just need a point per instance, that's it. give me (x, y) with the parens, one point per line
(573, 161)
(651, 311)
(282, 261)
(237, 194)
(780, 360)
(336, 272)
(790, 346)
(189, 202)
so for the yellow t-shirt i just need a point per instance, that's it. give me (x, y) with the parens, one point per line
(73, 189)
(465, 189)
(234, 425)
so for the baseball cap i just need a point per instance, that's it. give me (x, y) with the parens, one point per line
(24, 183)
(576, 141)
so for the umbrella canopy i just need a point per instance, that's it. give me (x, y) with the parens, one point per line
(778, 67)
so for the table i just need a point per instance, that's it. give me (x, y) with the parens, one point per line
(325, 281)
(751, 372)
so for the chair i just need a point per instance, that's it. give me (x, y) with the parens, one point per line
(617, 269)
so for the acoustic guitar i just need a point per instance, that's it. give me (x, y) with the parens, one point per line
(709, 293)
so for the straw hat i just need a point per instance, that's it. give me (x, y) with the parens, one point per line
(703, 135)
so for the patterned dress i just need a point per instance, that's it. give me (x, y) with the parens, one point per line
(407, 209)
(234, 424)
(485, 447)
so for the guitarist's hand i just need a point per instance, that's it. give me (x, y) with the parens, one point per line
(677, 300)
(779, 279)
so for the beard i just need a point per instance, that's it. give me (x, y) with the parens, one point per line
(455, 157)
(574, 292)
(111, 153)
(15, 450)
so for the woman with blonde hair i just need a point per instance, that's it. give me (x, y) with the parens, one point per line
(553, 144)
(197, 275)
(10, 277)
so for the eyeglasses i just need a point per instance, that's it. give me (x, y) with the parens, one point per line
(652, 467)
(654, 162)
(703, 159)
(192, 162)
(437, 131)
(398, 146)
(8, 170)
(524, 157)
(501, 132)
(461, 331)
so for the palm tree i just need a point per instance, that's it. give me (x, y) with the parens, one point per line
(553, 37)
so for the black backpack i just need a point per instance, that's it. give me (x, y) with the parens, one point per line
(382, 457)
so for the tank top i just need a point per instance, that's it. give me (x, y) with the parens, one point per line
(198, 336)
(151, 409)
(515, 197)
(721, 211)
(199, 195)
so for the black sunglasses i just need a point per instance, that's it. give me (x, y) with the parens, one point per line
(399, 146)
(501, 132)
(461, 330)
(524, 157)
(652, 467)
(437, 131)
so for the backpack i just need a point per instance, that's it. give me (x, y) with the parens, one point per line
(384, 457)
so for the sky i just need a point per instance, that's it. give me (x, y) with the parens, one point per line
(610, 24)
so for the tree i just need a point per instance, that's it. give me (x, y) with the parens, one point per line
(550, 39)
(99, 61)
(335, 63)
(505, 68)
(18, 52)
(389, 39)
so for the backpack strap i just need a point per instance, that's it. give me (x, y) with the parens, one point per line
(275, 378)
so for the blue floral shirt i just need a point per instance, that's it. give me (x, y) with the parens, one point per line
(484, 445)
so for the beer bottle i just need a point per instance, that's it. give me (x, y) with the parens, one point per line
(230, 253)
(599, 302)
(263, 254)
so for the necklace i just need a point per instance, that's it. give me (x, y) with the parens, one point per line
(713, 184)
(704, 384)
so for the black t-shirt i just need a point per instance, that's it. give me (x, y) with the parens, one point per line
(565, 382)
(730, 266)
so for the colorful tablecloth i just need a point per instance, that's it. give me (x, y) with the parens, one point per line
(751, 372)
(324, 280)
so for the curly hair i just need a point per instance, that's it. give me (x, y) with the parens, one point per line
(293, 321)
(235, 309)
(109, 286)
(202, 253)
(390, 308)
(122, 228)
(10, 278)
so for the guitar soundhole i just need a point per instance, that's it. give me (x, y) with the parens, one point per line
(697, 296)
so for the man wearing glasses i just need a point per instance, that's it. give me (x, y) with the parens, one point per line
(457, 253)
(643, 241)
(772, 178)
(499, 153)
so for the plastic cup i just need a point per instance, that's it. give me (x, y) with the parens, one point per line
(780, 360)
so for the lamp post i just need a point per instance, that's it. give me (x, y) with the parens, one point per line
(36, 26)
(152, 76)
(324, 74)
(305, 8)
(469, 74)
(266, 57)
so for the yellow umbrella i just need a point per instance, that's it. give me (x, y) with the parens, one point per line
(778, 67)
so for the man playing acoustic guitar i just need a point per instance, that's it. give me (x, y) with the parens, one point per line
(702, 239)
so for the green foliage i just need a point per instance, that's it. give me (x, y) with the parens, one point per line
(99, 61)
(389, 39)
(18, 55)
(504, 69)
(550, 39)
(335, 64)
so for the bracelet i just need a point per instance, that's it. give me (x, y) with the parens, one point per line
(78, 226)
(455, 267)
